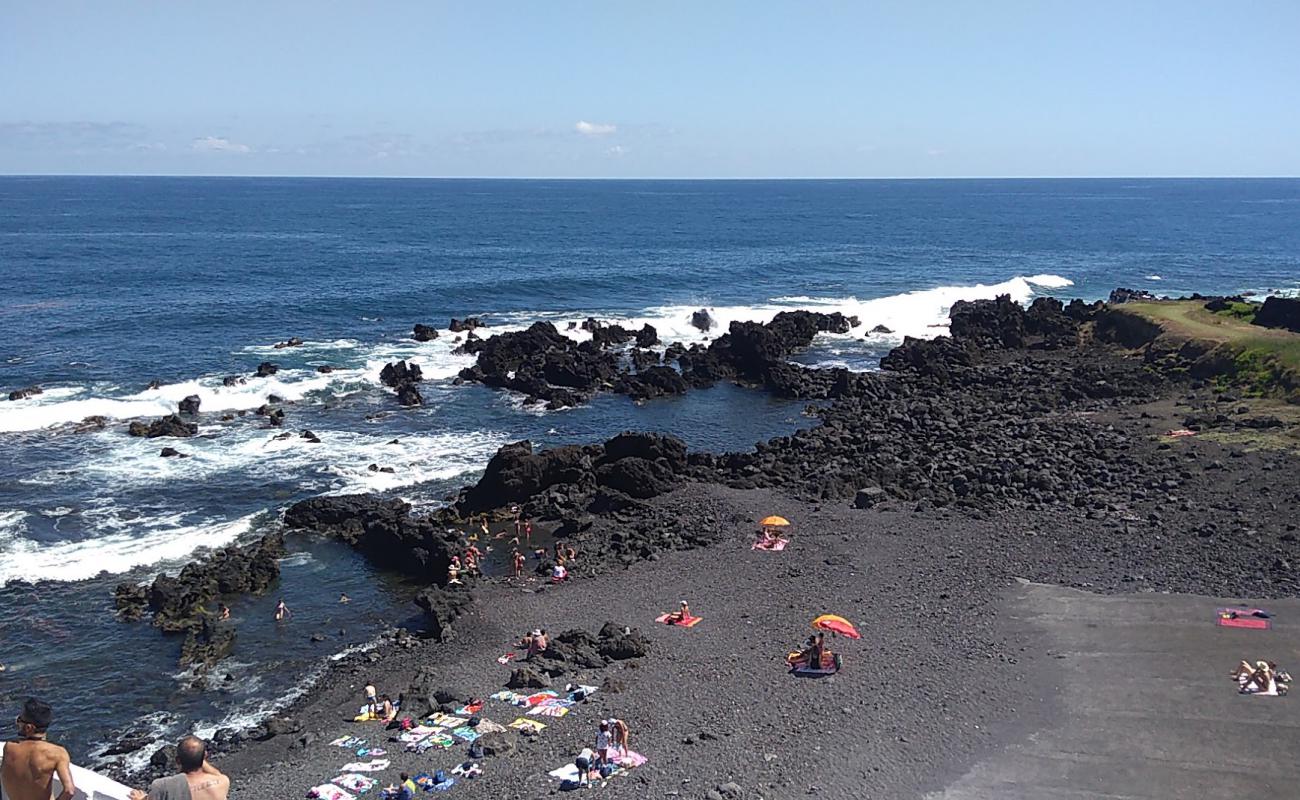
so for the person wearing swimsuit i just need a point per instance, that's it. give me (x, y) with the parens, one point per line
(28, 766)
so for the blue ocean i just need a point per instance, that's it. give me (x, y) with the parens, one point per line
(109, 285)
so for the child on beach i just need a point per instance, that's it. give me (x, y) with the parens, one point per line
(603, 741)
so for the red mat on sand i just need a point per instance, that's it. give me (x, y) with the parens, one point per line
(1245, 622)
(690, 622)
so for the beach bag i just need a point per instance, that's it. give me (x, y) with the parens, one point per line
(569, 784)
(606, 770)
(440, 776)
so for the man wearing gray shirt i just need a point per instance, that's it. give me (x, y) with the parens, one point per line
(197, 780)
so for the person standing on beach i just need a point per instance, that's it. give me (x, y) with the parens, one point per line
(372, 698)
(28, 766)
(517, 558)
(197, 780)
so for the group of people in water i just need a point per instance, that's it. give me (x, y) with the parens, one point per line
(29, 766)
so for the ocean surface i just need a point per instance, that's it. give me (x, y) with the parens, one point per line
(108, 284)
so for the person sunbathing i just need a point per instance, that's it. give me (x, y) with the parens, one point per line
(814, 655)
(1258, 680)
(680, 616)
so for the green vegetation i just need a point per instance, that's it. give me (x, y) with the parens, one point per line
(1242, 311)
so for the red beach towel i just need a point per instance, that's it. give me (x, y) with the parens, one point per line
(1243, 618)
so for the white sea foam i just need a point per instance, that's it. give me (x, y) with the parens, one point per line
(338, 464)
(68, 406)
(922, 313)
(1154, 278)
(12, 525)
(153, 541)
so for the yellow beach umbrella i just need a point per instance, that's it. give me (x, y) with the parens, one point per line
(774, 522)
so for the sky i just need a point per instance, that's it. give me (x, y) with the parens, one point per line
(703, 88)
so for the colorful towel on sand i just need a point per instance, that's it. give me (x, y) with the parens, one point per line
(371, 752)
(467, 733)
(441, 741)
(523, 723)
(444, 786)
(689, 622)
(1254, 618)
(486, 726)
(470, 710)
(569, 772)
(549, 710)
(448, 721)
(350, 742)
(328, 791)
(355, 782)
(467, 769)
(377, 765)
(803, 669)
(771, 547)
(506, 659)
(579, 692)
(541, 697)
(630, 759)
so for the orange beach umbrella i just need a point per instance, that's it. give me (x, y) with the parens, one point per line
(835, 624)
(774, 522)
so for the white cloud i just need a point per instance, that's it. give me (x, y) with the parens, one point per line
(616, 150)
(595, 128)
(218, 144)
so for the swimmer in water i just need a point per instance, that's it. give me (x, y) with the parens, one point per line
(343, 598)
(223, 611)
(282, 611)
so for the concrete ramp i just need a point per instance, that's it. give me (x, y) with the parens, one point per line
(1143, 706)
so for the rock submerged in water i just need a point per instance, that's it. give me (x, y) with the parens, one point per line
(424, 333)
(26, 392)
(291, 342)
(233, 380)
(266, 369)
(171, 425)
(190, 405)
(171, 452)
(464, 325)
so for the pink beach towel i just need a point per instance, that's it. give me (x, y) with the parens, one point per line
(774, 547)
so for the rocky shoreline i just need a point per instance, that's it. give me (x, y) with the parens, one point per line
(1029, 443)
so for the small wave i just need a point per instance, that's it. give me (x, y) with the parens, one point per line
(339, 464)
(12, 525)
(1154, 278)
(153, 542)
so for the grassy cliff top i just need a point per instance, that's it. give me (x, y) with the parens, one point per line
(1190, 319)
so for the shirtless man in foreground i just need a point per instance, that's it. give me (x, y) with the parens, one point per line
(197, 780)
(27, 767)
